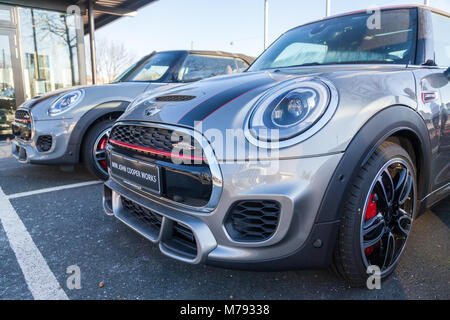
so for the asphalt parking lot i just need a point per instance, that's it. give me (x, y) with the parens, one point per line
(44, 231)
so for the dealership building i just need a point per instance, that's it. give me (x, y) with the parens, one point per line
(42, 46)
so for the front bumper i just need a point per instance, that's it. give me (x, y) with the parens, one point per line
(57, 132)
(298, 242)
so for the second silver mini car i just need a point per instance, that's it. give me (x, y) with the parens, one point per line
(70, 126)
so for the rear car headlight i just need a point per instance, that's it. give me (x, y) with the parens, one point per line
(286, 113)
(65, 102)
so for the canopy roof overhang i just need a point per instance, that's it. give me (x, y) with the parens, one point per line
(105, 11)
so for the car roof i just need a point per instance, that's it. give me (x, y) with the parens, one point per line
(404, 6)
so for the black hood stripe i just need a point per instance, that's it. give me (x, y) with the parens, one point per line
(209, 106)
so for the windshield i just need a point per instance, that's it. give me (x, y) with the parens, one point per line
(388, 37)
(152, 69)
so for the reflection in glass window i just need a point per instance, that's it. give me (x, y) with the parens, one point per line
(197, 67)
(49, 51)
(7, 93)
(155, 68)
(346, 40)
(441, 27)
(5, 14)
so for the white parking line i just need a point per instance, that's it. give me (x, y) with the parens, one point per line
(67, 186)
(40, 279)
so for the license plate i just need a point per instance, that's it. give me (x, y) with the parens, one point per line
(140, 175)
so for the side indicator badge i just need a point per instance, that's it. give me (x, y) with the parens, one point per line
(428, 96)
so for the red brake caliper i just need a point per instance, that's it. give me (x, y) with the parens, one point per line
(102, 146)
(371, 211)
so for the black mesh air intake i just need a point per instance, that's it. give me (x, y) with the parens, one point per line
(22, 115)
(151, 219)
(153, 138)
(149, 137)
(44, 143)
(252, 220)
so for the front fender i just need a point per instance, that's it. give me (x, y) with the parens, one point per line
(384, 124)
(85, 122)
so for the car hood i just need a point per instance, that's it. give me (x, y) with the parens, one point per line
(221, 101)
(200, 100)
(94, 96)
(218, 104)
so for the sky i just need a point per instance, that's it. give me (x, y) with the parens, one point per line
(227, 25)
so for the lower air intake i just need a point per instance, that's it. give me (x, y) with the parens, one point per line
(44, 143)
(252, 220)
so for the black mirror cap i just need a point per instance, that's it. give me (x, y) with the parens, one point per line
(447, 73)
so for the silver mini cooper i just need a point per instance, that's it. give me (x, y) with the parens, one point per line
(322, 153)
(71, 126)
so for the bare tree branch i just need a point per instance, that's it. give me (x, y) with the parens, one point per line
(112, 59)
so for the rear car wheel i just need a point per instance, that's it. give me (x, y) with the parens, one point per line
(94, 152)
(378, 215)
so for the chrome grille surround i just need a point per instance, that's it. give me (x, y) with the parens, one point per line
(208, 153)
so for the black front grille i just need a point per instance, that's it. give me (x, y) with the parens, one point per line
(44, 143)
(148, 137)
(152, 220)
(174, 98)
(22, 115)
(21, 127)
(156, 139)
(252, 220)
(189, 182)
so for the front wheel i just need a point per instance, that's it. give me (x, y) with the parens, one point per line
(94, 149)
(378, 215)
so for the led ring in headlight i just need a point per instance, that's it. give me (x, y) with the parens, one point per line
(66, 101)
(286, 114)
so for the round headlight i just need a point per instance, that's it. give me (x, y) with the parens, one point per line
(66, 101)
(288, 111)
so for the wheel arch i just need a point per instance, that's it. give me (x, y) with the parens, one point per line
(107, 110)
(409, 130)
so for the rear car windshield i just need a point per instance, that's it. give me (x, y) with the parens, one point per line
(387, 36)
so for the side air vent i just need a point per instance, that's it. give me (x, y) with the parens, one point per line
(252, 220)
(174, 98)
(44, 143)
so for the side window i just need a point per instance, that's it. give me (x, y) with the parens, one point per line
(441, 27)
(197, 67)
(241, 65)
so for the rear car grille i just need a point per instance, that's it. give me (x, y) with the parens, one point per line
(252, 220)
(174, 98)
(44, 143)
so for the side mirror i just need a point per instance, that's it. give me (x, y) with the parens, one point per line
(447, 73)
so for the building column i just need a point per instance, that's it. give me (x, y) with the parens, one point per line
(92, 40)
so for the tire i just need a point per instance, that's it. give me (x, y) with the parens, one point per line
(366, 206)
(91, 142)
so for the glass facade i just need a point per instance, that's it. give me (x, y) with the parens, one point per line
(38, 54)
(48, 51)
